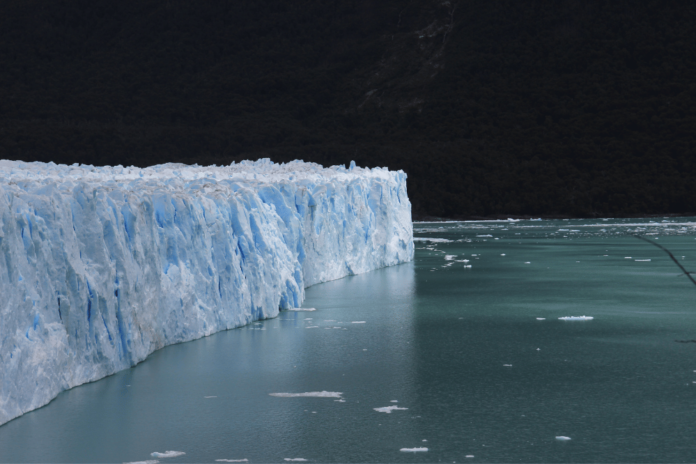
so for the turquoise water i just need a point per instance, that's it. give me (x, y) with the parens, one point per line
(462, 348)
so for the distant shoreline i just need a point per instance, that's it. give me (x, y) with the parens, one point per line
(503, 217)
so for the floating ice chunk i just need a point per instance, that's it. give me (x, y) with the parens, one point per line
(469, 456)
(527, 262)
(321, 394)
(302, 309)
(507, 365)
(210, 397)
(312, 327)
(295, 459)
(167, 454)
(628, 257)
(358, 322)
(540, 318)
(486, 236)
(642, 260)
(151, 461)
(450, 257)
(389, 409)
(394, 401)
(576, 318)
(502, 254)
(231, 460)
(562, 438)
(414, 450)
(434, 240)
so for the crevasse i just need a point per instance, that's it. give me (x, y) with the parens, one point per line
(101, 266)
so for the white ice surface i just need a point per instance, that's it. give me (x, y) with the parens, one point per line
(167, 454)
(413, 450)
(576, 318)
(302, 309)
(101, 266)
(321, 394)
(389, 409)
(231, 460)
(295, 459)
(562, 438)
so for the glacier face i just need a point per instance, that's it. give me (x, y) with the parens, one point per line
(100, 266)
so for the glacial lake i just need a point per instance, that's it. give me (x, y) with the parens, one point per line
(476, 357)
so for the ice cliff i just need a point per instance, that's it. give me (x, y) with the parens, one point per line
(100, 266)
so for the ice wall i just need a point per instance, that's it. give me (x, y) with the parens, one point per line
(100, 266)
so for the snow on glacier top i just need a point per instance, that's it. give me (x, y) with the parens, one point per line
(261, 171)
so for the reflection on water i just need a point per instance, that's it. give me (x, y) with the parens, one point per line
(476, 356)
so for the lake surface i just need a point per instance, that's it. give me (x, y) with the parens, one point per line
(464, 349)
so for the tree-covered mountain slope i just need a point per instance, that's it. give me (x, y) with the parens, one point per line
(492, 108)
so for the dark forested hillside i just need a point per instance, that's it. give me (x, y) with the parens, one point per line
(511, 107)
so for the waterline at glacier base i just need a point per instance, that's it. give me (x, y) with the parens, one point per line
(101, 266)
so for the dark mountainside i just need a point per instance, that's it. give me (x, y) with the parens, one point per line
(515, 107)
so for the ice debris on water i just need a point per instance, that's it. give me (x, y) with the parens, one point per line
(414, 450)
(576, 318)
(232, 460)
(562, 438)
(295, 459)
(302, 309)
(540, 318)
(389, 409)
(321, 394)
(150, 461)
(434, 240)
(167, 454)
(169, 254)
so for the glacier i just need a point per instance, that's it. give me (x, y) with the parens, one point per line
(101, 266)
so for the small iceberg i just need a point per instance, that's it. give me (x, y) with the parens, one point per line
(231, 460)
(295, 459)
(541, 318)
(389, 409)
(434, 240)
(562, 438)
(644, 260)
(358, 322)
(167, 454)
(321, 394)
(414, 450)
(576, 318)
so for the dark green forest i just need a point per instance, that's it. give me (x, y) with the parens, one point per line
(493, 108)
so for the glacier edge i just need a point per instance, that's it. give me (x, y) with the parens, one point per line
(101, 266)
